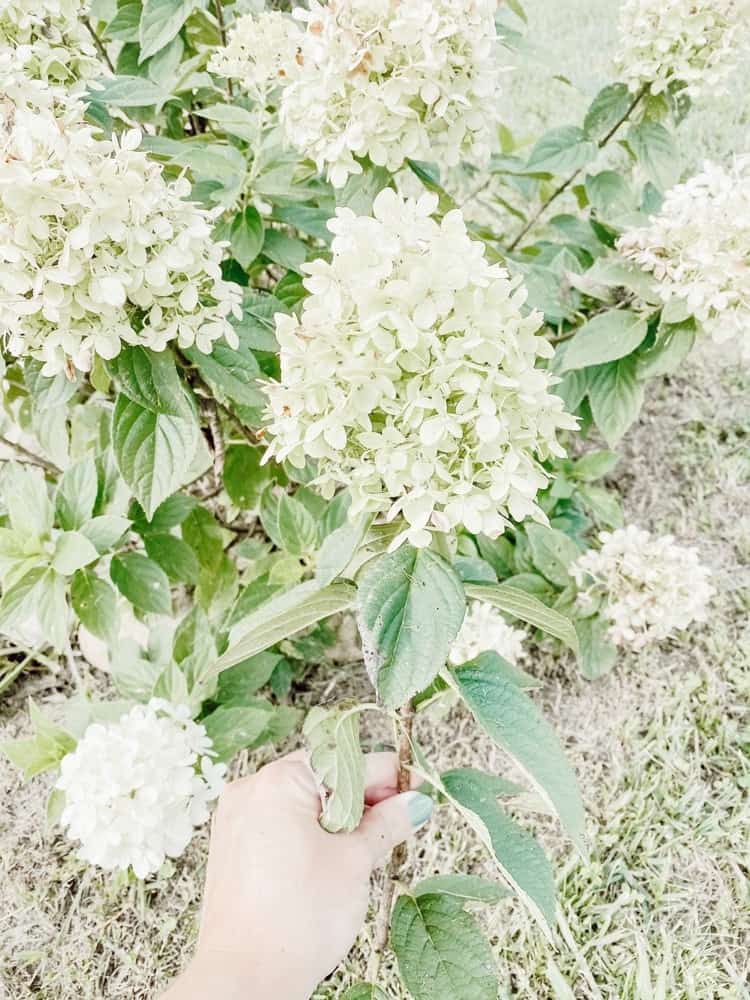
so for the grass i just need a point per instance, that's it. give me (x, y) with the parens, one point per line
(661, 911)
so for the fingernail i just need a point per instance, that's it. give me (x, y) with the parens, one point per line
(419, 808)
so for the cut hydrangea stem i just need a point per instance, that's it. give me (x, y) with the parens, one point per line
(562, 188)
(397, 860)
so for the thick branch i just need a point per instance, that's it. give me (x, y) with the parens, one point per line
(568, 181)
(27, 457)
(398, 857)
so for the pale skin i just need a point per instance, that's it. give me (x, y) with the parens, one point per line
(284, 900)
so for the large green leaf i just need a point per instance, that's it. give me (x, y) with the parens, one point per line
(597, 653)
(76, 494)
(41, 752)
(553, 552)
(655, 150)
(606, 337)
(36, 600)
(606, 110)
(364, 991)
(616, 397)
(513, 721)
(521, 861)
(281, 617)
(142, 582)
(73, 551)
(441, 951)
(232, 373)
(234, 727)
(464, 887)
(298, 529)
(336, 758)
(524, 606)
(27, 501)
(562, 149)
(674, 341)
(338, 549)
(95, 603)
(246, 235)
(160, 22)
(152, 450)
(411, 606)
(175, 556)
(150, 379)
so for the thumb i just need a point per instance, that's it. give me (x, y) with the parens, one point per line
(390, 822)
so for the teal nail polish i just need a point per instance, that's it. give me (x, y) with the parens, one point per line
(419, 807)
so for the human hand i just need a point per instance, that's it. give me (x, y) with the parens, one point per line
(284, 900)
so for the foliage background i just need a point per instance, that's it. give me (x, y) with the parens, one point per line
(661, 911)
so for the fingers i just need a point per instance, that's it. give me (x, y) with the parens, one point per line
(390, 822)
(381, 777)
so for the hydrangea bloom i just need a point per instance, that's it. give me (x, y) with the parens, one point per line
(693, 42)
(47, 40)
(484, 628)
(376, 78)
(649, 586)
(261, 51)
(411, 376)
(97, 248)
(136, 789)
(697, 249)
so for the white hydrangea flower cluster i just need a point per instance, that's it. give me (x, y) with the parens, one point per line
(47, 40)
(697, 249)
(649, 585)
(376, 78)
(693, 42)
(135, 790)
(97, 248)
(260, 52)
(410, 377)
(483, 629)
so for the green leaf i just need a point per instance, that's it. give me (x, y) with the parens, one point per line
(246, 236)
(95, 603)
(176, 557)
(609, 193)
(244, 476)
(562, 149)
(150, 379)
(41, 752)
(553, 552)
(616, 398)
(338, 549)
(48, 393)
(232, 728)
(674, 341)
(364, 991)
(606, 110)
(603, 505)
(595, 465)
(152, 451)
(234, 120)
(124, 25)
(527, 608)
(38, 597)
(411, 606)
(169, 514)
(231, 373)
(597, 653)
(521, 860)
(142, 582)
(160, 22)
(105, 531)
(128, 92)
(76, 494)
(286, 251)
(606, 337)
(27, 501)
(655, 150)
(73, 551)
(241, 682)
(298, 529)
(466, 887)
(283, 616)
(441, 951)
(514, 723)
(336, 757)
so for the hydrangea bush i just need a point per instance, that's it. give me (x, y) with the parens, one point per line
(293, 328)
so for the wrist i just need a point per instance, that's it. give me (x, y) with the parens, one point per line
(234, 977)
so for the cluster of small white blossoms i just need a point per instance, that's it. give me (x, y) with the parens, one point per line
(135, 790)
(47, 39)
(483, 629)
(649, 586)
(375, 78)
(410, 377)
(693, 42)
(697, 249)
(97, 248)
